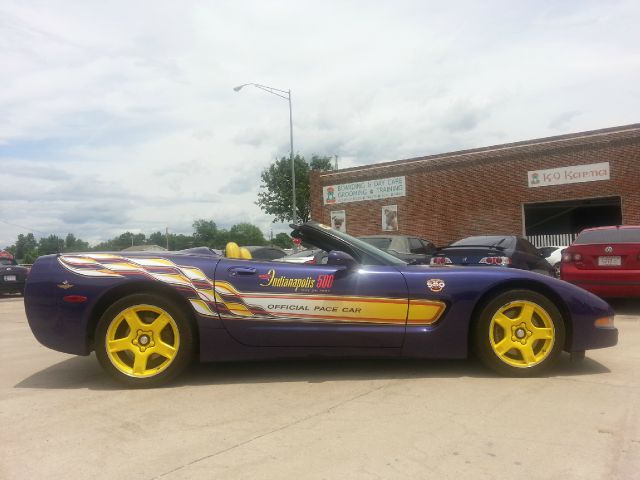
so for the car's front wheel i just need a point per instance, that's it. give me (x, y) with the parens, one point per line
(143, 340)
(519, 333)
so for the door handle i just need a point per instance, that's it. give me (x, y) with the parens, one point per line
(234, 271)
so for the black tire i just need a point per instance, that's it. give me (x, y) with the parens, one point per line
(556, 269)
(164, 351)
(528, 351)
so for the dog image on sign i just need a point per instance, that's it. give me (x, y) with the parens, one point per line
(390, 218)
(339, 220)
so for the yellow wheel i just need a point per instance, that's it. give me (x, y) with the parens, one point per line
(143, 340)
(519, 333)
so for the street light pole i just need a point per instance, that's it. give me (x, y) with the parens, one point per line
(286, 94)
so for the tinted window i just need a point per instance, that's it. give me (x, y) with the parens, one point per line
(266, 254)
(428, 246)
(486, 241)
(622, 235)
(546, 251)
(527, 247)
(6, 261)
(378, 242)
(415, 246)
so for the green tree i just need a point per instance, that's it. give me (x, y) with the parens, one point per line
(26, 247)
(157, 238)
(283, 240)
(275, 196)
(180, 241)
(223, 238)
(127, 239)
(176, 241)
(50, 244)
(246, 234)
(73, 244)
(205, 233)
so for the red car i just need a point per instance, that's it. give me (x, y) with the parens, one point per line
(605, 261)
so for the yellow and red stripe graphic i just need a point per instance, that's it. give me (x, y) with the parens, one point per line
(211, 298)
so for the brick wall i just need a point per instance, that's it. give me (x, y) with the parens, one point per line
(480, 191)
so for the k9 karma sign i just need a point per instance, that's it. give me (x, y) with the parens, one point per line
(575, 174)
(367, 190)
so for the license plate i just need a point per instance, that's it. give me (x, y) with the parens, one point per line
(9, 278)
(609, 261)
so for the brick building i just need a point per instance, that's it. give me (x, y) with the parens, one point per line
(555, 185)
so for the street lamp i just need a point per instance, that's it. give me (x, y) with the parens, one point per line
(286, 94)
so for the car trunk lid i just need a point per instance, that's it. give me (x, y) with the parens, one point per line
(619, 256)
(469, 254)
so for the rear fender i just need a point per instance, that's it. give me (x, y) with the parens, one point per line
(161, 289)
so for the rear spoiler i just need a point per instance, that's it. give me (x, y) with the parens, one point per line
(486, 247)
(452, 248)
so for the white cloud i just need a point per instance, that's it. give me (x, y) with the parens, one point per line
(121, 115)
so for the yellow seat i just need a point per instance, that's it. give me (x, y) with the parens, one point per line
(232, 250)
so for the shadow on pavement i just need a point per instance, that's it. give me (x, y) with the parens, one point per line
(625, 306)
(85, 373)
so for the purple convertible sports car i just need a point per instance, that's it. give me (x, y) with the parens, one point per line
(147, 314)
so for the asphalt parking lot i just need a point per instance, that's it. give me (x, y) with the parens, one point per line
(62, 417)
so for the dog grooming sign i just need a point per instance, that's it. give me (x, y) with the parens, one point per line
(367, 190)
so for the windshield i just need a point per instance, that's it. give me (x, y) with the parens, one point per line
(304, 253)
(367, 249)
(6, 261)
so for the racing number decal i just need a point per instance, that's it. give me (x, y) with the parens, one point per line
(325, 281)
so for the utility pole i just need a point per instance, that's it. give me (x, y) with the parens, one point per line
(336, 162)
(286, 94)
(167, 232)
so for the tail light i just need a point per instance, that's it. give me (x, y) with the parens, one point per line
(503, 261)
(571, 257)
(440, 261)
(313, 260)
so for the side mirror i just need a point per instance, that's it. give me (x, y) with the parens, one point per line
(341, 259)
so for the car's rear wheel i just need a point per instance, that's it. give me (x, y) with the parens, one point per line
(556, 269)
(143, 340)
(519, 333)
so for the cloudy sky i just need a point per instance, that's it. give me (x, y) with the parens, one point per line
(121, 115)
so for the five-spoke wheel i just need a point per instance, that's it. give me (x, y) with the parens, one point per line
(519, 333)
(143, 340)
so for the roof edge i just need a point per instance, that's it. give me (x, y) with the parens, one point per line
(558, 140)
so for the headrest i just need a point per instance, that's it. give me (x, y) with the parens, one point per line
(232, 250)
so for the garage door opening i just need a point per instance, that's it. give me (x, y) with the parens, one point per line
(572, 216)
